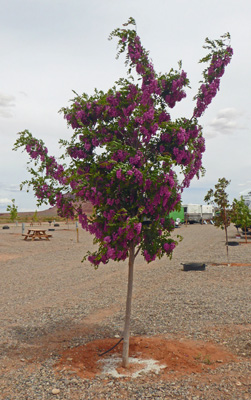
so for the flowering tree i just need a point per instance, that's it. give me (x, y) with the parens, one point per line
(128, 158)
(219, 198)
(241, 215)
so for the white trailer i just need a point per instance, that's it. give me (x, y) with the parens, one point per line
(197, 213)
(207, 212)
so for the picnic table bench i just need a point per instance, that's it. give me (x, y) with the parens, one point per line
(34, 234)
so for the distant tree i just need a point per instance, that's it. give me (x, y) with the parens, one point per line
(125, 153)
(241, 215)
(219, 198)
(34, 217)
(12, 209)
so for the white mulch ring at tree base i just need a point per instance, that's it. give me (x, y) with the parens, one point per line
(112, 366)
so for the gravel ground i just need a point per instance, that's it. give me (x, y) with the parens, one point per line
(50, 301)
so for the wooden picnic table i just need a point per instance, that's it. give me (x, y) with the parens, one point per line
(36, 234)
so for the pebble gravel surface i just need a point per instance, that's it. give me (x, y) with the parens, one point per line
(51, 301)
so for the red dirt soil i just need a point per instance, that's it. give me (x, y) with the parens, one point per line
(232, 264)
(179, 357)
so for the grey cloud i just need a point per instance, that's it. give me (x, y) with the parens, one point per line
(247, 183)
(210, 134)
(6, 105)
(5, 200)
(229, 112)
(23, 93)
(227, 122)
(14, 188)
(223, 124)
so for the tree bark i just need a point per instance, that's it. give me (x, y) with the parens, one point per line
(226, 240)
(225, 226)
(246, 238)
(125, 353)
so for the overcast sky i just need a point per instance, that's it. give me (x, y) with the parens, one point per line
(51, 47)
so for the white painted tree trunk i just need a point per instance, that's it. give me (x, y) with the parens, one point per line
(125, 353)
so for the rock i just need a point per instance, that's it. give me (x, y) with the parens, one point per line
(55, 391)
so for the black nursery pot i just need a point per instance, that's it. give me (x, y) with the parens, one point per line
(194, 266)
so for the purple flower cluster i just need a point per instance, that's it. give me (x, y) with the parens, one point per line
(208, 90)
(172, 89)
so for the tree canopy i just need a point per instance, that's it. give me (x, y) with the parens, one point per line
(241, 215)
(126, 155)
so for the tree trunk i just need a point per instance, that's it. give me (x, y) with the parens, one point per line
(227, 243)
(125, 353)
(225, 225)
(246, 238)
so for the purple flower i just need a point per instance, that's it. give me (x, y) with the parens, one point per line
(138, 227)
(167, 247)
(107, 239)
(119, 174)
(111, 253)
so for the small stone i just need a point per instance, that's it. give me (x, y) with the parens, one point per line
(219, 361)
(71, 372)
(69, 359)
(238, 383)
(55, 391)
